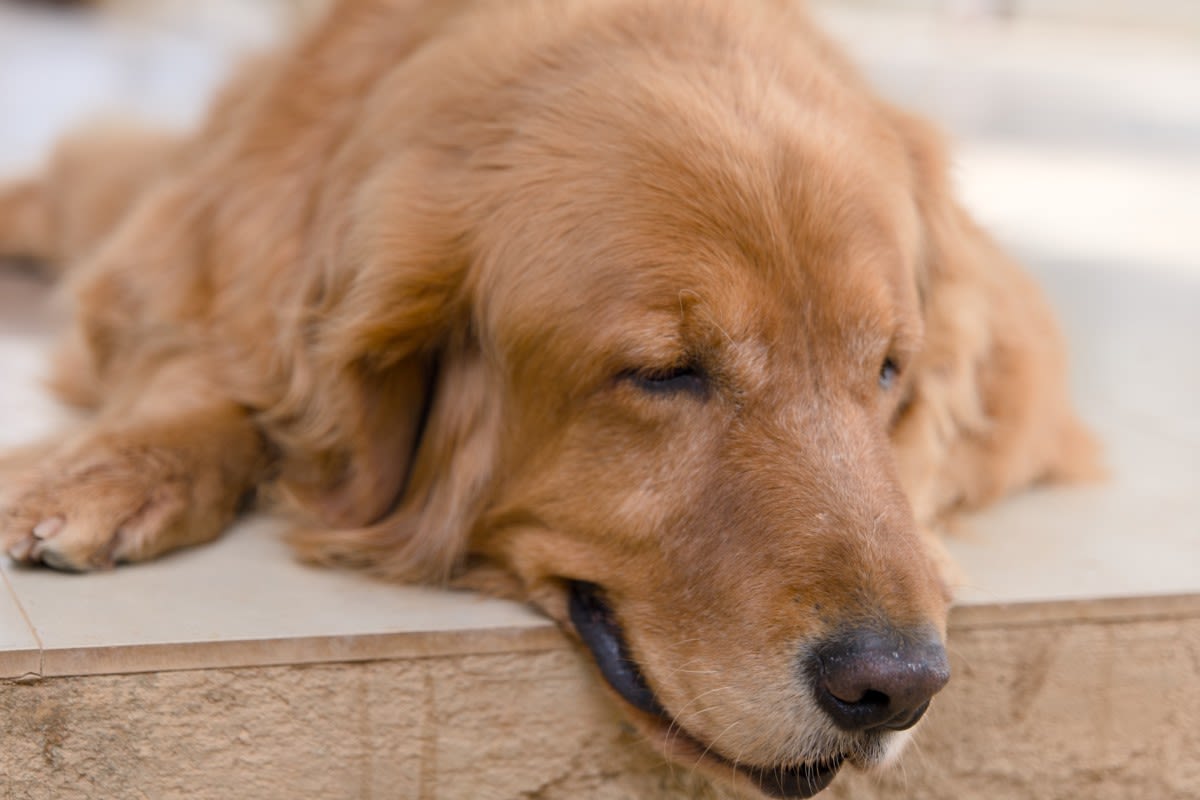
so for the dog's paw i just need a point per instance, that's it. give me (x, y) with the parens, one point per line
(94, 507)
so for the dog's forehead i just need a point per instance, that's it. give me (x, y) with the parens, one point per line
(751, 199)
(635, 255)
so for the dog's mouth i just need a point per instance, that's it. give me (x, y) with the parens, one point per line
(597, 626)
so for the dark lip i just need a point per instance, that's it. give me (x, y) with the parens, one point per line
(597, 626)
(795, 782)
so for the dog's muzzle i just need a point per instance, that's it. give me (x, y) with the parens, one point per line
(597, 626)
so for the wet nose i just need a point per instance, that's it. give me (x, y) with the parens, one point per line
(868, 679)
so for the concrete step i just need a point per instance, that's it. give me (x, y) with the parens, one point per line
(1051, 700)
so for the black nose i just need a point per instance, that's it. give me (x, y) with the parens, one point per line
(867, 679)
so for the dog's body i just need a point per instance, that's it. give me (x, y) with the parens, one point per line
(649, 312)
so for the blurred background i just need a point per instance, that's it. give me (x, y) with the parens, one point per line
(1075, 124)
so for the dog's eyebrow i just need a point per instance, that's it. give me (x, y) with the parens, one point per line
(702, 313)
(699, 320)
(658, 344)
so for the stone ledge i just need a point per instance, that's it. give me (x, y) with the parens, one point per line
(1102, 707)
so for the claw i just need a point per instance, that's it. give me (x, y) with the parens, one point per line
(19, 550)
(55, 559)
(48, 528)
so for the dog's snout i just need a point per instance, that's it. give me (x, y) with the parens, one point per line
(867, 679)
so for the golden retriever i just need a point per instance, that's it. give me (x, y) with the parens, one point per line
(648, 312)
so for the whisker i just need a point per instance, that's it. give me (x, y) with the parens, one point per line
(708, 747)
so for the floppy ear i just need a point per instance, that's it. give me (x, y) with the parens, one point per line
(988, 410)
(424, 536)
(392, 445)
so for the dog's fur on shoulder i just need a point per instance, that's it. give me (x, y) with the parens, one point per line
(647, 295)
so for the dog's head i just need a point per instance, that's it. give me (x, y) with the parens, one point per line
(664, 328)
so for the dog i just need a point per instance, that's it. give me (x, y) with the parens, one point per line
(647, 312)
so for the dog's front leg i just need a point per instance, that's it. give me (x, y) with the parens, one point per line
(168, 470)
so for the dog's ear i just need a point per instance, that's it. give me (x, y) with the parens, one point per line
(988, 408)
(395, 430)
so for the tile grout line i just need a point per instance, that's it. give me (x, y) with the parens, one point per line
(12, 592)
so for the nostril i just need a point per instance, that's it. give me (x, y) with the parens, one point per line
(872, 710)
(849, 686)
(866, 680)
(904, 721)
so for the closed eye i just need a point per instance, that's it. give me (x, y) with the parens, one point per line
(684, 379)
(889, 373)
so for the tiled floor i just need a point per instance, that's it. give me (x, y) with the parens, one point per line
(244, 601)
(1081, 151)
(20, 650)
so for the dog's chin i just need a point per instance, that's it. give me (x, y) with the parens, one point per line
(597, 626)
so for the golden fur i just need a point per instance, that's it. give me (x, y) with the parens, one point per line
(421, 279)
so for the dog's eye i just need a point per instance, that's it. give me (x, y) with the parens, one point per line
(685, 378)
(888, 373)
